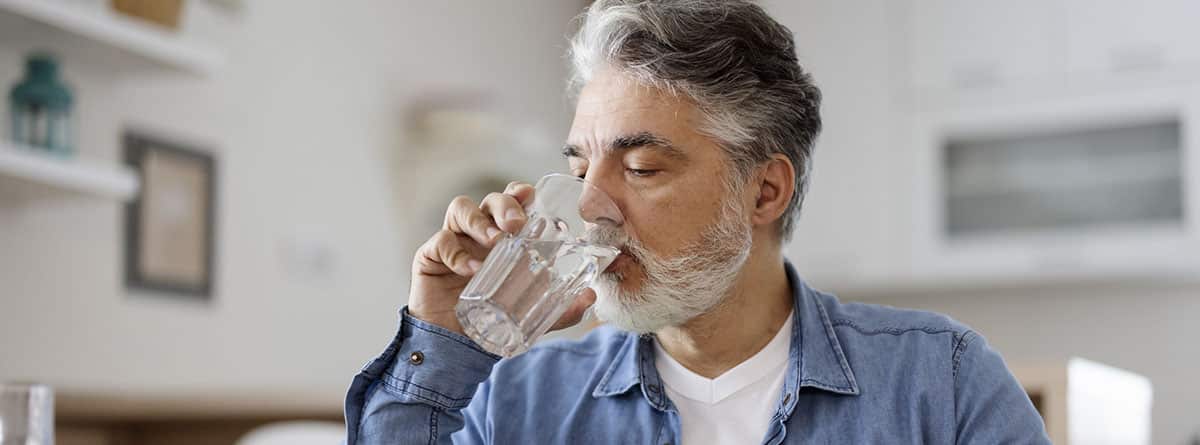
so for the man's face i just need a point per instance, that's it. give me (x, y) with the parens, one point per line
(688, 234)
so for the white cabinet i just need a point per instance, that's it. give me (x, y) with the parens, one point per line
(1123, 36)
(1060, 245)
(964, 44)
(959, 47)
(975, 70)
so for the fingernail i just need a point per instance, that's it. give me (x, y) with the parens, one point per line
(474, 265)
(512, 214)
(492, 232)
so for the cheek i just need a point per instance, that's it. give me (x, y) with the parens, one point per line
(668, 219)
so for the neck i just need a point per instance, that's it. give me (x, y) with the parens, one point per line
(746, 320)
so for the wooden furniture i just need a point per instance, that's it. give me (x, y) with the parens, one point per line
(183, 418)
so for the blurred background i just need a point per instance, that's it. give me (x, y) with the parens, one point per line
(208, 208)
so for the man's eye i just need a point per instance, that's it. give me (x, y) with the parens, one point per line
(640, 172)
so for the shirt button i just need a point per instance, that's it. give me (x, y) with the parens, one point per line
(416, 358)
(787, 398)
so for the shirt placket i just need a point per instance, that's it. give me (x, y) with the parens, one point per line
(670, 429)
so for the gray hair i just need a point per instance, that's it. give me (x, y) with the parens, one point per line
(730, 58)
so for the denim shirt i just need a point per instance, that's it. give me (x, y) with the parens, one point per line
(857, 374)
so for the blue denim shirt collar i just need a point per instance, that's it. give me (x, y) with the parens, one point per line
(816, 359)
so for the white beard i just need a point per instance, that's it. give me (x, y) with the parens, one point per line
(677, 289)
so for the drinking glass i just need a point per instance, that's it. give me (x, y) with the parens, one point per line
(529, 279)
(26, 414)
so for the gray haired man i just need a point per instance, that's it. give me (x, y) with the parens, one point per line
(698, 121)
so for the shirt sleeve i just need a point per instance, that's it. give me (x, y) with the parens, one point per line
(416, 390)
(990, 405)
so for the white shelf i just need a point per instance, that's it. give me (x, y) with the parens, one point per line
(94, 178)
(101, 36)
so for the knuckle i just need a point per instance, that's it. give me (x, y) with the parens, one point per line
(493, 197)
(492, 200)
(460, 201)
(445, 245)
(479, 222)
(455, 256)
(462, 212)
(443, 237)
(433, 246)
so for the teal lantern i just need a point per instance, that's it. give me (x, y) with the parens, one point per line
(40, 106)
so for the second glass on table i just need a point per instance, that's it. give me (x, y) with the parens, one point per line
(529, 279)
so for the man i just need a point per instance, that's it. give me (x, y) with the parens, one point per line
(696, 119)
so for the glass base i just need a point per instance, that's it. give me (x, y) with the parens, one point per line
(490, 327)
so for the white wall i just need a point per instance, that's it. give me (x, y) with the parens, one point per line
(856, 223)
(306, 120)
(847, 226)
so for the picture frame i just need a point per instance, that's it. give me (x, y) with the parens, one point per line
(170, 226)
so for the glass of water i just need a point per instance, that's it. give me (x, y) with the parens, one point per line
(26, 414)
(529, 279)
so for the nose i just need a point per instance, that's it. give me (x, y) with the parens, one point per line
(597, 207)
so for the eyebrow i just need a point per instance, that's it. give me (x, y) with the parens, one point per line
(643, 139)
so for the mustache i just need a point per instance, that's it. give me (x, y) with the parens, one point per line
(618, 238)
(606, 235)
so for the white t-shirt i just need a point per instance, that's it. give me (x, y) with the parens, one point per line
(735, 407)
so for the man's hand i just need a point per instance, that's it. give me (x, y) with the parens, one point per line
(444, 264)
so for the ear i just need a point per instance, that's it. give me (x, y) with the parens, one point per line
(776, 185)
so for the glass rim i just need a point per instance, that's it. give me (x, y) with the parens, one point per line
(587, 186)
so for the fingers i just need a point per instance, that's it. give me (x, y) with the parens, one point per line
(465, 217)
(505, 210)
(447, 252)
(520, 190)
(574, 314)
(470, 231)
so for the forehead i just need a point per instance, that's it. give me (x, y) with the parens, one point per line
(611, 105)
